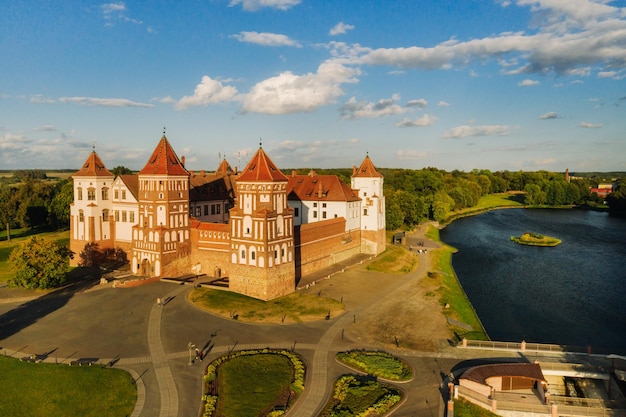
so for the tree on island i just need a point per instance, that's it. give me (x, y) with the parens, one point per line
(121, 170)
(39, 263)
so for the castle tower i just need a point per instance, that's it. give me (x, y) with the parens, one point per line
(262, 246)
(90, 213)
(369, 182)
(162, 233)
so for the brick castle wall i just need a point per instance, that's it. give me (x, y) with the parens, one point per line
(323, 244)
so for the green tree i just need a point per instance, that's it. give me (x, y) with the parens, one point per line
(60, 204)
(121, 170)
(39, 263)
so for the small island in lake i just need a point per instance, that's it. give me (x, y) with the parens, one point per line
(535, 239)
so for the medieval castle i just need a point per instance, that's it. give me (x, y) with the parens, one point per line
(257, 230)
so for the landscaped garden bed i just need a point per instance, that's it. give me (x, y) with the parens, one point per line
(262, 382)
(361, 396)
(535, 239)
(379, 364)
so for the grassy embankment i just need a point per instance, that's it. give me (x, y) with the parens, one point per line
(451, 292)
(45, 389)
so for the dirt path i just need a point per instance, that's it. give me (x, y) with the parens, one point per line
(394, 310)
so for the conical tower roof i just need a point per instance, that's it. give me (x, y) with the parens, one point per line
(164, 161)
(261, 168)
(224, 169)
(367, 169)
(93, 167)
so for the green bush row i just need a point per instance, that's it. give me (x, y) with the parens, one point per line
(380, 364)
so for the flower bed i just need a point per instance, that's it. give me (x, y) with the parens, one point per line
(361, 396)
(379, 364)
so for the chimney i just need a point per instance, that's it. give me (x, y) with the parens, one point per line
(320, 190)
(202, 173)
(182, 160)
(293, 173)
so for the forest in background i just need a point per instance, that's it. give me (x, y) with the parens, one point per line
(41, 199)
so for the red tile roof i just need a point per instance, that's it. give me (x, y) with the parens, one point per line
(132, 183)
(320, 187)
(522, 370)
(224, 169)
(367, 169)
(93, 167)
(261, 168)
(164, 161)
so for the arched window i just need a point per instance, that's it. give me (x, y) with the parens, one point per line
(105, 193)
(91, 194)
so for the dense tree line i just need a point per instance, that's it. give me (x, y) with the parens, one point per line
(36, 204)
(413, 196)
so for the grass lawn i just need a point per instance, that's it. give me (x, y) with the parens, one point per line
(17, 237)
(43, 390)
(451, 292)
(292, 308)
(355, 395)
(249, 385)
(395, 259)
(464, 408)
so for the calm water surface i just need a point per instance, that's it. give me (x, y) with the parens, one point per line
(572, 294)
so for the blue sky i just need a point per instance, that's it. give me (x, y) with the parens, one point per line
(490, 84)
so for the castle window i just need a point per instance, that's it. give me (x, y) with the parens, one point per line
(198, 211)
(105, 215)
(160, 196)
(253, 255)
(91, 194)
(323, 215)
(314, 204)
(124, 213)
(275, 254)
(206, 209)
(116, 194)
(243, 254)
(323, 205)
(123, 194)
(105, 193)
(131, 215)
(365, 212)
(81, 216)
(80, 193)
(117, 215)
(315, 214)
(296, 211)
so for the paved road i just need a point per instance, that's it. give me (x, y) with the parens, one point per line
(128, 328)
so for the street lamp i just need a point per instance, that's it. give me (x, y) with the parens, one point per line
(191, 348)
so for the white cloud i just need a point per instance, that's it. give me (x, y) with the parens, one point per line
(104, 102)
(571, 38)
(354, 109)
(527, 83)
(549, 115)
(443, 104)
(425, 120)
(266, 39)
(209, 91)
(607, 74)
(420, 103)
(254, 5)
(471, 131)
(165, 100)
(112, 12)
(410, 154)
(340, 28)
(11, 142)
(591, 125)
(291, 93)
(42, 100)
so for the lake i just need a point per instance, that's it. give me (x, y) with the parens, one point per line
(574, 293)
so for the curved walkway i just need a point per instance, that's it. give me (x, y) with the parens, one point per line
(167, 387)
